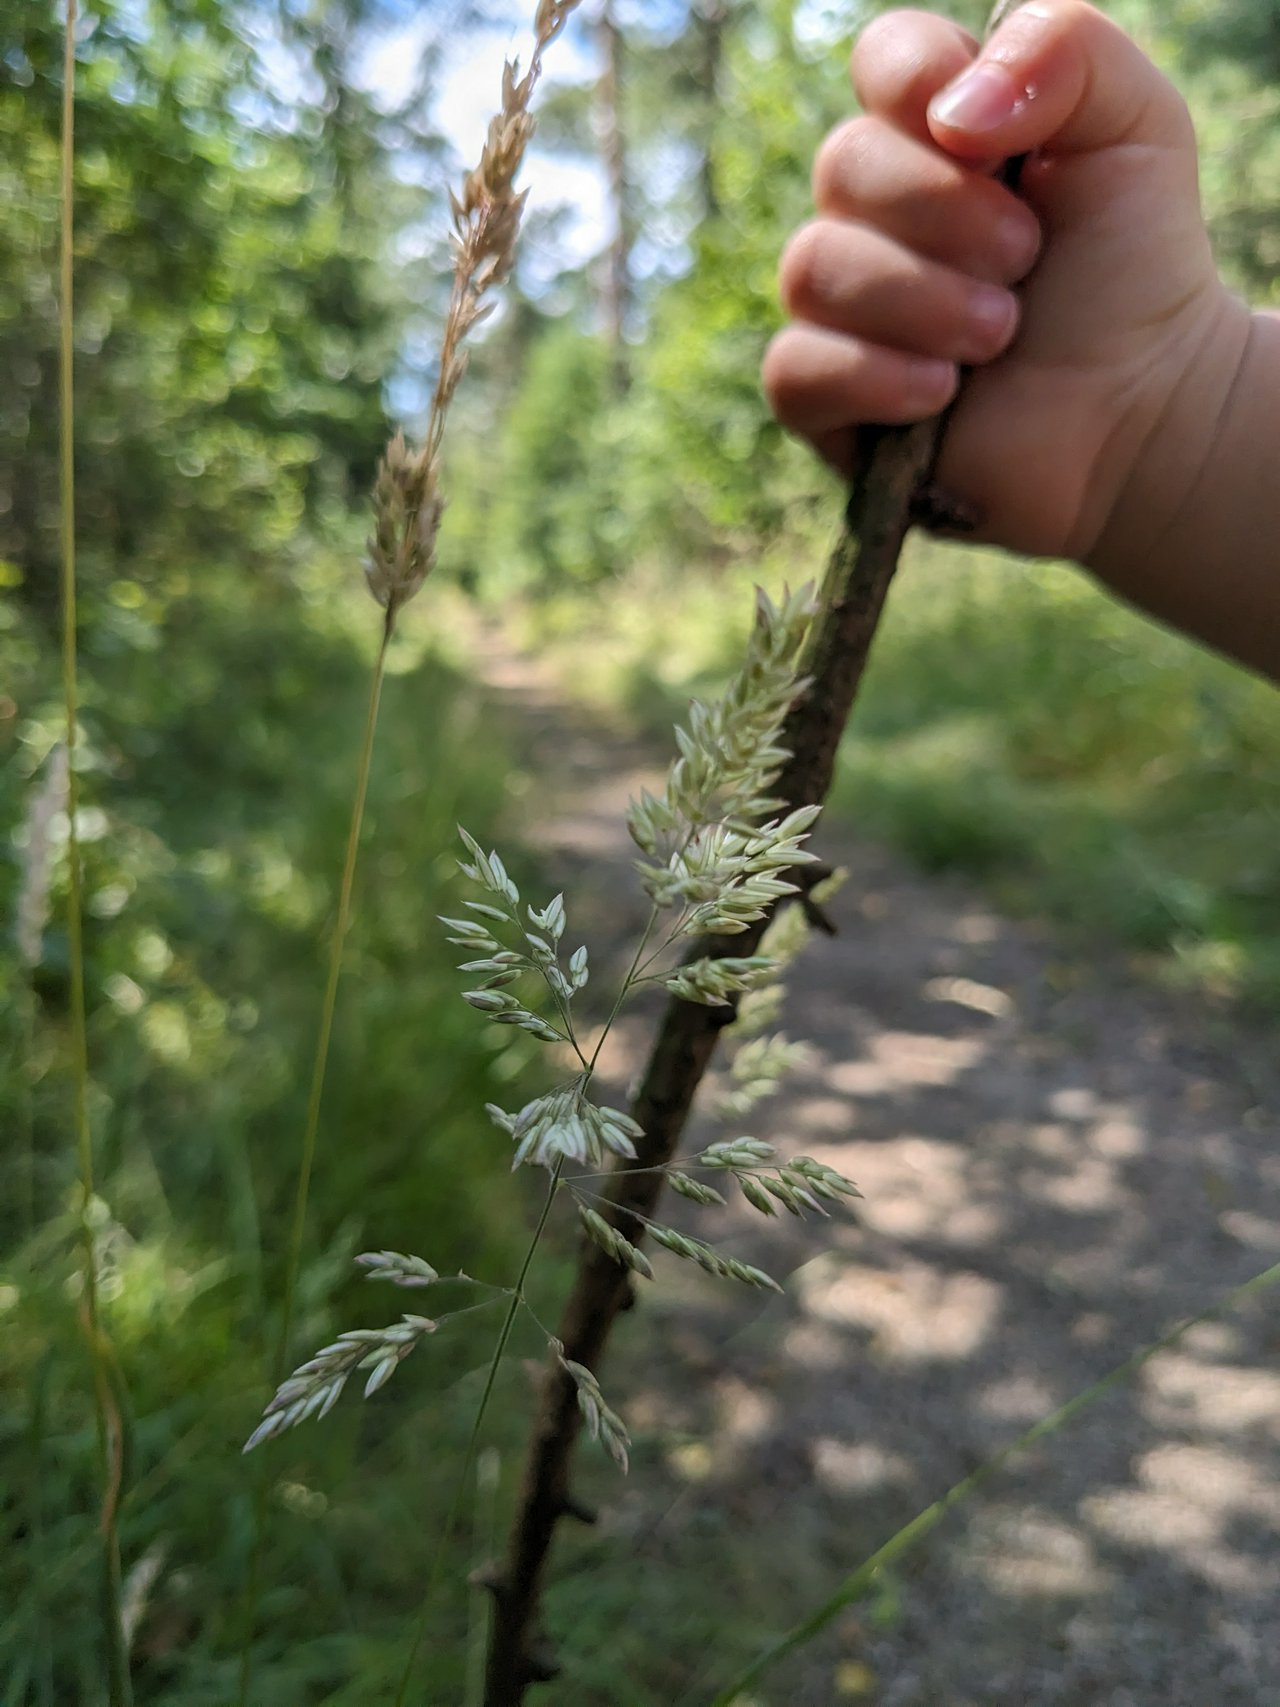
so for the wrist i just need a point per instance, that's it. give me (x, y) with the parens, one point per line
(1192, 540)
(1167, 449)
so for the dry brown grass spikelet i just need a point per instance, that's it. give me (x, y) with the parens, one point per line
(486, 222)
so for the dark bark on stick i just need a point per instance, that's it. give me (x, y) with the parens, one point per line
(880, 511)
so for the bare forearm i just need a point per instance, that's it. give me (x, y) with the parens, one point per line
(1196, 538)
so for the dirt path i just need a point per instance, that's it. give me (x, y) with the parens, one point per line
(1058, 1164)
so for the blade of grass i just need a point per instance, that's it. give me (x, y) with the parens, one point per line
(106, 1413)
(26, 1114)
(859, 1582)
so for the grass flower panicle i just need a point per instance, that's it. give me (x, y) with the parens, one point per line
(731, 752)
(486, 214)
(565, 1126)
(723, 858)
(612, 1242)
(315, 1386)
(603, 1424)
(716, 982)
(398, 1269)
(408, 507)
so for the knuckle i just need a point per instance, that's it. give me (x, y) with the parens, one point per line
(803, 264)
(1178, 115)
(885, 30)
(775, 369)
(796, 387)
(843, 158)
(781, 380)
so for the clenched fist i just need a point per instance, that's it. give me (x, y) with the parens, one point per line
(1087, 303)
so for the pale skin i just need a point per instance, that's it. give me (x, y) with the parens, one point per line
(1120, 406)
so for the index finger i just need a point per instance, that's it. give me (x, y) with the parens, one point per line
(902, 60)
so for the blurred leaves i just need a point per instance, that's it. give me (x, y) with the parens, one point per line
(236, 307)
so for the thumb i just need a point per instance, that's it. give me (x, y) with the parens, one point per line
(1061, 78)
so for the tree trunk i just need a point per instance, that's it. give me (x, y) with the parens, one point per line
(710, 20)
(616, 287)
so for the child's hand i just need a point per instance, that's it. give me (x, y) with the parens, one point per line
(1097, 386)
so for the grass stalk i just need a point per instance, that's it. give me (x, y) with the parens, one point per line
(328, 1007)
(484, 1540)
(311, 1127)
(106, 1412)
(856, 1586)
(407, 511)
(464, 1475)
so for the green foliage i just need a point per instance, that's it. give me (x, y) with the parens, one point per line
(1245, 30)
(1081, 759)
(553, 510)
(236, 310)
(710, 434)
(221, 732)
(1020, 725)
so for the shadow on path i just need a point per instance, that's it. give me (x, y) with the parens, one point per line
(1058, 1164)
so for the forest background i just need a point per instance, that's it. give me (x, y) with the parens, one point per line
(261, 268)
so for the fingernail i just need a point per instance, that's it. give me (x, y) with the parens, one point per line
(1017, 238)
(930, 385)
(992, 313)
(981, 99)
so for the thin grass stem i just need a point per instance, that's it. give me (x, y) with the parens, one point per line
(42, 1660)
(859, 1582)
(624, 989)
(329, 1005)
(311, 1130)
(106, 1412)
(485, 1539)
(464, 1475)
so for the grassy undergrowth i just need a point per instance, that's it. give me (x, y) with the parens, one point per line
(220, 731)
(221, 724)
(1019, 726)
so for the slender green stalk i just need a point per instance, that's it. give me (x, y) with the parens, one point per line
(106, 1411)
(329, 1005)
(484, 1540)
(464, 1475)
(624, 989)
(311, 1128)
(856, 1586)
